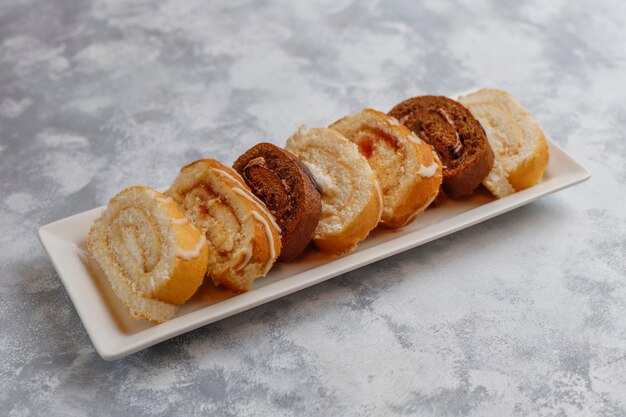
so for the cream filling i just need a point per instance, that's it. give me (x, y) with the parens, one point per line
(227, 175)
(270, 239)
(239, 176)
(252, 198)
(427, 171)
(458, 145)
(249, 196)
(164, 200)
(180, 220)
(246, 259)
(415, 138)
(193, 253)
(324, 182)
(379, 194)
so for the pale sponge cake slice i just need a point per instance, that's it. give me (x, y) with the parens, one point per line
(519, 146)
(408, 170)
(243, 237)
(153, 257)
(351, 198)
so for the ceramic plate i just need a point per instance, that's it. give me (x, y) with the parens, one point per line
(115, 334)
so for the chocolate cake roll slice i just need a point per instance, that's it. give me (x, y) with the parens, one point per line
(457, 137)
(288, 190)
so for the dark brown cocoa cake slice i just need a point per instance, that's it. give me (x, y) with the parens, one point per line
(457, 137)
(288, 190)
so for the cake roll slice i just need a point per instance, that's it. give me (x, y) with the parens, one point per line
(242, 235)
(520, 148)
(457, 137)
(408, 171)
(286, 187)
(152, 256)
(351, 198)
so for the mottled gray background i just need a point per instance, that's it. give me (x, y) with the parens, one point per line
(521, 315)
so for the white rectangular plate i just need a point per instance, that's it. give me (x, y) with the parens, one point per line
(115, 334)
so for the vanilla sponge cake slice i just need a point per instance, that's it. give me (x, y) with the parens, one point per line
(408, 170)
(519, 145)
(151, 254)
(351, 197)
(242, 234)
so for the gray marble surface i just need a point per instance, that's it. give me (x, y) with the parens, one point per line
(521, 315)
